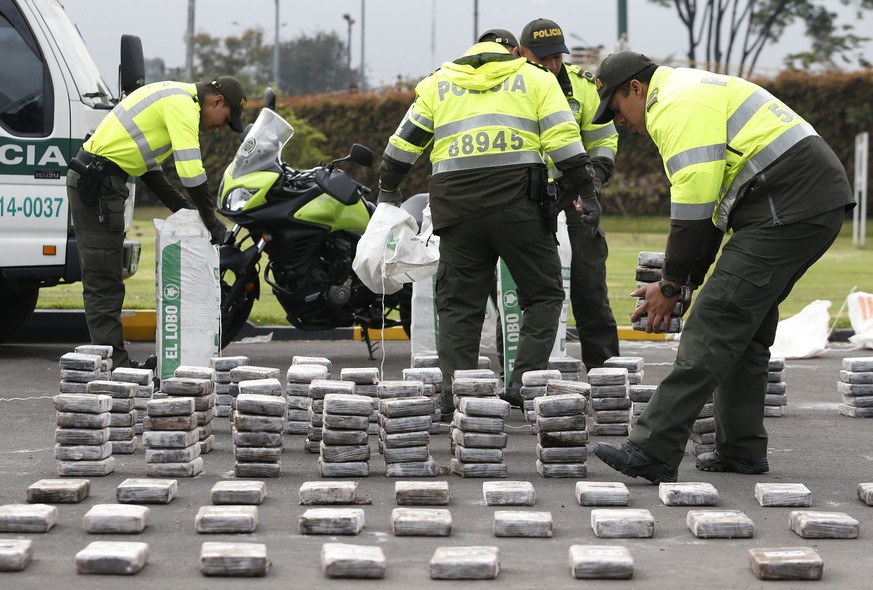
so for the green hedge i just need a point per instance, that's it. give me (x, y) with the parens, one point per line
(837, 105)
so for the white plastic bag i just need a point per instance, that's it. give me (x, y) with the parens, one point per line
(861, 316)
(188, 293)
(804, 335)
(391, 253)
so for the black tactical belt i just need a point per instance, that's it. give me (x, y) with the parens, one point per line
(106, 166)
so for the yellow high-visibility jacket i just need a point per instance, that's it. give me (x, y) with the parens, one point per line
(600, 141)
(491, 116)
(150, 124)
(715, 133)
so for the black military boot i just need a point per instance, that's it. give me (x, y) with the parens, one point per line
(635, 462)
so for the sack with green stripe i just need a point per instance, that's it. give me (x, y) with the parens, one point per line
(188, 293)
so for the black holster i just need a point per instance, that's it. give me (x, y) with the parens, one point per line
(92, 169)
(545, 194)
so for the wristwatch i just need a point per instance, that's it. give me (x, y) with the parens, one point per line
(667, 289)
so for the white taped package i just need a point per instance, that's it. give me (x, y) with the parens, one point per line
(860, 307)
(804, 335)
(188, 293)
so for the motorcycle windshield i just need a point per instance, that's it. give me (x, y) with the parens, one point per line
(262, 146)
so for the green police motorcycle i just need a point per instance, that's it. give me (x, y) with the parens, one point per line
(308, 223)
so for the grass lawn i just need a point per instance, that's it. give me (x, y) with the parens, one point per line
(832, 278)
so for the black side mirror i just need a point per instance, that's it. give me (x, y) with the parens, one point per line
(361, 154)
(270, 99)
(131, 71)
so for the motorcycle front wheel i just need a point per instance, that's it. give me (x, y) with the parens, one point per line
(234, 320)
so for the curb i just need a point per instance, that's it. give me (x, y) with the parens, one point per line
(64, 325)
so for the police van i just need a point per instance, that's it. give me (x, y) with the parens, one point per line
(52, 97)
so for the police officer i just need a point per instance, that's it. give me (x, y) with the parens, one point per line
(490, 115)
(542, 42)
(142, 131)
(739, 159)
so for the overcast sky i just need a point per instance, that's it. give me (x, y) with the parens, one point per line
(406, 37)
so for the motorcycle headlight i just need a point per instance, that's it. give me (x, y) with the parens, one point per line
(238, 197)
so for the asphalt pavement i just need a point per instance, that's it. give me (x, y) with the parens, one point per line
(813, 445)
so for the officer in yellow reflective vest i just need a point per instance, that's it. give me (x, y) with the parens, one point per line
(490, 116)
(542, 42)
(143, 130)
(738, 159)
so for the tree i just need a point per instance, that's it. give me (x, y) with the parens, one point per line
(735, 32)
(311, 65)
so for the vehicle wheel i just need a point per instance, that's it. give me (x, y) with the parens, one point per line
(15, 309)
(234, 320)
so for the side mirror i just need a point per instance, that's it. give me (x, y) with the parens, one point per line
(361, 154)
(131, 71)
(270, 99)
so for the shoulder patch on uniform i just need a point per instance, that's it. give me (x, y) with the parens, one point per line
(587, 75)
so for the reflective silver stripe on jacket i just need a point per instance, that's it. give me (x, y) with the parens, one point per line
(487, 161)
(490, 120)
(598, 134)
(758, 162)
(125, 117)
(189, 155)
(602, 151)
(747, 110)
(400, 155)
(420, 119)
(697, 155)
(568, 151)
(558, 118)
(692, 211)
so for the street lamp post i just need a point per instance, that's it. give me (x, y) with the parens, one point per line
(351, 21)
(276, 50)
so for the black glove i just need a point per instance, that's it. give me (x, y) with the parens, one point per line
(591, 212)
(395, 197)
(217, 230)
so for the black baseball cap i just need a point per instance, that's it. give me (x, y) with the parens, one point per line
(501, 36)
(544, 37)
(235, 96)
(615, 70)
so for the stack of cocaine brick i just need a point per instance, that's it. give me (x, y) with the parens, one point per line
(477, 437)
(318, 389)
(365, 380)
(77, 369)
(562, 448)
(144, 379)
(345, 445)
(571, 368)
(856, 387)
(201, 386)
(703, 430)
(406, 415)
(82, 436)
(171, 437)
(639, 397)
(122, 416)
(222, 367)
(249, 373)
(104, 351)
(258, 424)
(775, 400)
(533, 385)
(633, 364)
(650, 270)
(297, 380)
(431, 379)
(610, 403)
